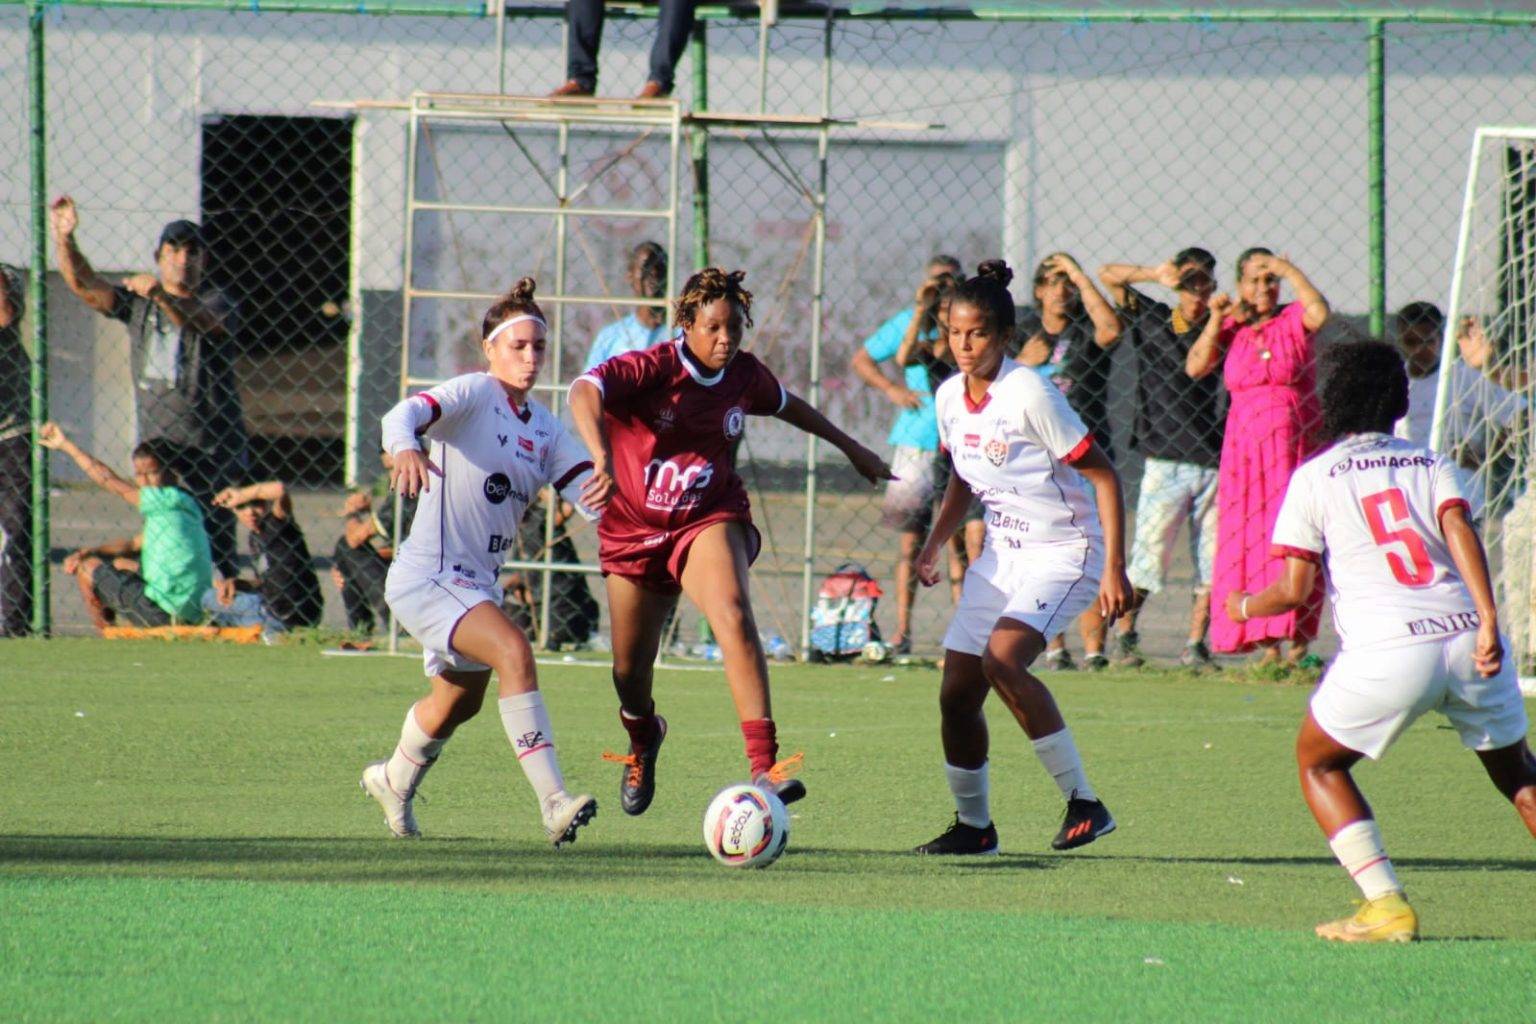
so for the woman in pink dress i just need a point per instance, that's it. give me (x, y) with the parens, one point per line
(1269, 367)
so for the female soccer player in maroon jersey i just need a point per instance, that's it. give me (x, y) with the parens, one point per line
(660, 424)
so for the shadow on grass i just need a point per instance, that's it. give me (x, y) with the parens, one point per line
(449, 859)
(1415, 863)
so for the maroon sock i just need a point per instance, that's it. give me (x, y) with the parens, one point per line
(642, 731)
(762, 744)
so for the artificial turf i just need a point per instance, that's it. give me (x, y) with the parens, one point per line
(182, 837)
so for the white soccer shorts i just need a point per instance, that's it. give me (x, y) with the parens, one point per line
(1367, 698)
(429, 605)
(1045, 591)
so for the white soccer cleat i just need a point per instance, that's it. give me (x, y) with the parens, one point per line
(397, 809)
(564, 814)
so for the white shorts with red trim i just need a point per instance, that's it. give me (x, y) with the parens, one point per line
(1046, 590)
(429, 606)
(1369, 697)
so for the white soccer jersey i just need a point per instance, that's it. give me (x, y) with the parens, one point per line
(1014, 449)
(1369, 509)
(492, 459)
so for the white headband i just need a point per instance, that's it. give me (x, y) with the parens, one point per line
(515, 320)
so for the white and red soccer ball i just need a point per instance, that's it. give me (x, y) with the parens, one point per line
(746, 827)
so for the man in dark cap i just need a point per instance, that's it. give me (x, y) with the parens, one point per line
(182, 357)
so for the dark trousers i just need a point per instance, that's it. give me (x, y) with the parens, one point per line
(16, 536)
(363, 571)
(585, 20)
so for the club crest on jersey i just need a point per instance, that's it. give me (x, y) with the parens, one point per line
(665, 420)
(996, 451)
(735, 422)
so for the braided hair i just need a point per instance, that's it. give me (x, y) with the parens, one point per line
(707, 286)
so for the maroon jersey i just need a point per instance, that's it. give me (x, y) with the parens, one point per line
(671, 425)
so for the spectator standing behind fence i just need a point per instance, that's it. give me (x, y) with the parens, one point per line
(1270, 368)
(584, 35)
(181, 357)
(1067, 336)
(914, 437)
(1470, 394)
(15, 463)
(1178, 428)
(285, 575)
(158, 577)
(647, 325)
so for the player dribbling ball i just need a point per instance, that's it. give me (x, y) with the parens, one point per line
(1016, 443)
(661, 424)
(492, 447)
(1419, 631)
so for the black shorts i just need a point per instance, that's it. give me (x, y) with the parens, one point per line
(123, 592)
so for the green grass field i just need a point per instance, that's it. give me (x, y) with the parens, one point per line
(182, 837)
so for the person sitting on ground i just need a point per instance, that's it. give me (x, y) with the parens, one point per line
(285, 576)
(359, 565)
(647, 325)
(158, 577)
(573, 611)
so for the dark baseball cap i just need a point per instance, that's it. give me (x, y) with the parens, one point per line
(182, 233)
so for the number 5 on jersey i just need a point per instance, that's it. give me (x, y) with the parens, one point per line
(1387, 513)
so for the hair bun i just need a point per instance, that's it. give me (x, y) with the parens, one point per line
(995, 270)
(522, 292)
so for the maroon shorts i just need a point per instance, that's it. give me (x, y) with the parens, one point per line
(655, 562)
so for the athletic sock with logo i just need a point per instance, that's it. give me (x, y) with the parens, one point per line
(413, 755)
(1358, 847)
(527, 725)
(1059, 755)
(971, 789)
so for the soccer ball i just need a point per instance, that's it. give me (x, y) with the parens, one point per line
(745, 827)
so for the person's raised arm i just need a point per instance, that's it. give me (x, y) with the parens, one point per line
(1106, 322)
(906, 354)
(1114, 586)
(1205, 354)
(51, 436)
(1315, 310)
(206, 315)
(1477, 352)
(797, 412)
(79, 276)
(1472, 565)
(586, 404)
(1118, 277)
(273, 492)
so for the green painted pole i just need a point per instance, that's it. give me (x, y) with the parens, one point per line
(1376, 173)
(42, 620)
(699, 144)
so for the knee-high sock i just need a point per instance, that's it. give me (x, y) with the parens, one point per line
(413, 755)
(762, 741)
(1059, 755)
(1358, 847)
(528, 729)
(971, 788)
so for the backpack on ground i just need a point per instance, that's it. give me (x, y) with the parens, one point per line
(843, 618)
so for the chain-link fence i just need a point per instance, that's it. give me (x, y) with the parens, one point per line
(1117, 137)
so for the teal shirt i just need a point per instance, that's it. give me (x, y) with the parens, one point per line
(914, 428)
(175, 561)
(626, 335)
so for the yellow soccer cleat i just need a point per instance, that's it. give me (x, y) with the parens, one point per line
(1386, 918)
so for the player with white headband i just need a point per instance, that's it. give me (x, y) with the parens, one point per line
(491, 449)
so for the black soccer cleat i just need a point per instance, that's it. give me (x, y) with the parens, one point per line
(637, 786)
(787, 790)
(962, 840)
(1086, 820)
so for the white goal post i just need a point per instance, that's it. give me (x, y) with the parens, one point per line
(1483, 412)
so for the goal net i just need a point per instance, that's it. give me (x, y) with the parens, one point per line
(1483, 415)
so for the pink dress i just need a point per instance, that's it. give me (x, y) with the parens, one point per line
(1271, 374)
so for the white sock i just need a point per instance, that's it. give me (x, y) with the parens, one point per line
(412, 757)
(971, 788)
(527, 725)
(1059, 755)
(1358, 847)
